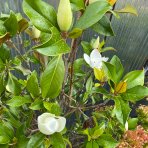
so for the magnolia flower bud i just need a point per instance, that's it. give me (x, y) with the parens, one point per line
(64, 15)
(49, 124)
(35, 33)
(96, 43)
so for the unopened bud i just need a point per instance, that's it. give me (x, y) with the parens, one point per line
(96, 43)
(35, 33)
(64, 15)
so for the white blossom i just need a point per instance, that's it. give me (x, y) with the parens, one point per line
(49, 123)
(126, 126)
(95, 59)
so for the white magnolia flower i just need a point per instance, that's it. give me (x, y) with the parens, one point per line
(49, 123)
(95, 60)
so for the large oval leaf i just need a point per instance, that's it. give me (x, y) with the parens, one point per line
(122, 110)
(32, 85)
(136, 93)
(36, 140)
(93, 13)
(55, 46)
(103, 27)
(11, 24)
(17, 101)
(52, 78)
(134, 78)
(42, 15)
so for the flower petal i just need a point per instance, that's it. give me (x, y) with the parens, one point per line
(95, 59)
(105, 59)
(87, 58)
(95, 55)
(47, 123)
(61, 123)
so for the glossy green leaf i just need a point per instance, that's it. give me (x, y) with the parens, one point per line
(55, 46)
(2, 66)
(92, 144)
(107, 141)
(89, 84)
(118, 66)
(128, 9)
(101, 90)
(37, 105)
(11, 24)
(87, 48)
(75, 33)
(53, 108)
(23, 70)
(3, 29)
(19, 101)
(134, 78)
(110, 71)
(4, 139)
(11, 119)
(57, 141)
(132, 123)
(13, 85)
(122, 110)
(32, 85)
(93, 13)
(6, 130)
(77, 5)
(107, 49)
(136, 93)
(104, 27)
(78, 63)
(97, 133)
(41, 14)
(2, 87)
(52, 78)
(36, 140)
(22, 142)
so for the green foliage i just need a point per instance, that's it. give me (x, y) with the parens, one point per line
(136, 93)
(55, 81)
(103, 27)
(13, 85)
(11, 24)
(6, 53)
(32, 85)
(134, 78)
(53, 108)
(54, 75)
(57, 141)
(93, 13)
(107, 141)
(77, 5)
(17, 101)
(54, 46)
(41, 14)
(122, 110)
(36, 140)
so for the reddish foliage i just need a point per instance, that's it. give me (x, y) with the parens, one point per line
(135, 139)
